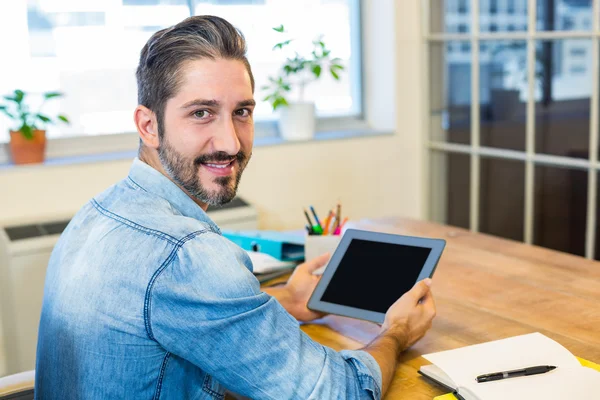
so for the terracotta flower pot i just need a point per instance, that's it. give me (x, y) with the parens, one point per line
(28, 151)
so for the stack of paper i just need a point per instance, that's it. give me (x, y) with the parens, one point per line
(264, 263)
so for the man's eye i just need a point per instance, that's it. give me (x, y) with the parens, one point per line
(201, 114)
(244, 112)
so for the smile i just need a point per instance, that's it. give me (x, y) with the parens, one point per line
(218, 165)
(220, 169)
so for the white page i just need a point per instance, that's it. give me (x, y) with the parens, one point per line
(465, 364)
(578, 383)
(262, 262)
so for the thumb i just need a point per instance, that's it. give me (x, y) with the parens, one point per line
(316, 262)
(420, 290)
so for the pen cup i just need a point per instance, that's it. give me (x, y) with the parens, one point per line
(316, 245)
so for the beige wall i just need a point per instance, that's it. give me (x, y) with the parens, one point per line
(364, 173)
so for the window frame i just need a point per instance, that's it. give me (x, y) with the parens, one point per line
(529, 156)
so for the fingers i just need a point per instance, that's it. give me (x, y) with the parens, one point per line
(420, 290)
(428, 305)
(316, 263)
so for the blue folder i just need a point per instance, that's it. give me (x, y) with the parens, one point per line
(283, 246)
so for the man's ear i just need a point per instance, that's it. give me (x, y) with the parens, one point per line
(147, 126)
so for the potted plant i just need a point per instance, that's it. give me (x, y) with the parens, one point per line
(28, 140)
(297, 118)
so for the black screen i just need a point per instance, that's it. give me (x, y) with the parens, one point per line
(373, 275)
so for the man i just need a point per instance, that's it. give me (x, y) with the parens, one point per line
(145, 299)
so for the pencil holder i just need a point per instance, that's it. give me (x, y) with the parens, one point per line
(316, 245)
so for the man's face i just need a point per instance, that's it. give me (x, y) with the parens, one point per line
(209, 129)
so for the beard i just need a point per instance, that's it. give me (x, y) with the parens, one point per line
(185, 172)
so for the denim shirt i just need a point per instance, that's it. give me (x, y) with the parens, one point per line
(144, 299)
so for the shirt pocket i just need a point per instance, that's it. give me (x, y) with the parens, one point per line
(212, 387)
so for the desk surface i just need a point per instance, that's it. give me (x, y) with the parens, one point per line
(486, 288)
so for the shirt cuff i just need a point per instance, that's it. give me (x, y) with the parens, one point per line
(367, 370)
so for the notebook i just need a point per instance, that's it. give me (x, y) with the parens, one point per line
(263, 263)
(457, 369)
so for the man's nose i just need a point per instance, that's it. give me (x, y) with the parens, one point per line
(226, 138)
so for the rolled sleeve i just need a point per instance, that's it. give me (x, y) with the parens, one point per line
(367, 370)
(207, 307)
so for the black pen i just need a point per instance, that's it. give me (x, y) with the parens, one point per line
(308, 219)
(496, 376)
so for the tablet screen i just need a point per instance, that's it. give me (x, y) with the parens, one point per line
(386, 271)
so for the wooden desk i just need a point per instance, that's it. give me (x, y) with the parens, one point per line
(485, 289)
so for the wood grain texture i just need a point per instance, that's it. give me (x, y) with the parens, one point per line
(486, 288)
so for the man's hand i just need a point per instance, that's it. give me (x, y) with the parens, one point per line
(295, 294)
(406, 321)
(411, 315)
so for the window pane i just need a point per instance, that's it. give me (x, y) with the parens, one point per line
(564, 15)
(450, 188)
(563, 92)
(560, 209)
(452, 16)
(502, 15)
(503, 94)
(450, 92)
(86, 49)
(305, 21)
(89, 50)
(502, 197)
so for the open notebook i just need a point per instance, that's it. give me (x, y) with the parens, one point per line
(457, 370)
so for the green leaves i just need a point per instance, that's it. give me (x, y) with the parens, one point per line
(316, 69)
(277, 89)
(4, 110)
(27, 131)
(300, 70)
(18, 110)
(50, 95)
(279, 102)
(280, 45)
(43, 118)
(334, 69)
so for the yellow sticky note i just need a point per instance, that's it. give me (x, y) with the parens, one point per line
(448, 396)
(589, 364)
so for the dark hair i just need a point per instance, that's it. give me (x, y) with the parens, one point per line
(161, 59)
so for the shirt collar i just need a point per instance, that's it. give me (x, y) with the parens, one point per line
(156, 183)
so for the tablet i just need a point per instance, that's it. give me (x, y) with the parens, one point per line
(369, 271)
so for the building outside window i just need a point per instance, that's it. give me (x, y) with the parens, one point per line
(513, 127)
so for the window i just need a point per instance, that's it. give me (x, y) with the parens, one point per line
(510, 7)
(462, 28)
(511, 156)
(493, 6)
(89, 50)
(576, 52)
(462, 6)
(564, 15)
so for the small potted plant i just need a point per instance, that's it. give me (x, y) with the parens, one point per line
(297, 118)
(28, 140)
